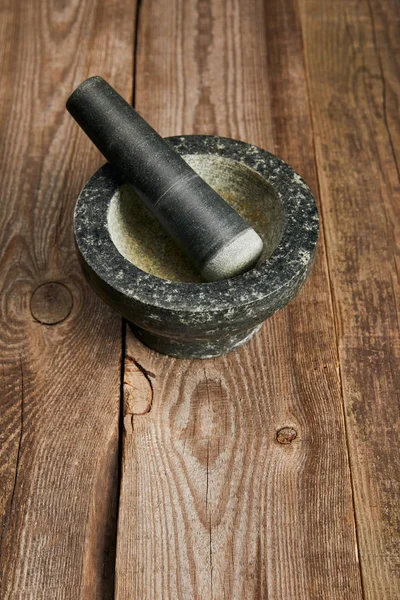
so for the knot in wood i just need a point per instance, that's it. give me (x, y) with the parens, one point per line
(51, 303)
(286, 435)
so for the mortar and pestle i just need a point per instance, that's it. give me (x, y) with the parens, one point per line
(164, 216)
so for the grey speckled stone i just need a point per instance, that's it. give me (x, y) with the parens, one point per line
(187, 318)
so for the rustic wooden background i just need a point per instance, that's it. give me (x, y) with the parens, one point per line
(273, 472)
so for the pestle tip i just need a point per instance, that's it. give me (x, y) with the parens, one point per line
(235, 257)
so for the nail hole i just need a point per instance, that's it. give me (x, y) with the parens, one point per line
(286, 435)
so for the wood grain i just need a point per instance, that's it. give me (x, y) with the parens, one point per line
(352, 52)
(60, 381)
(235, 480)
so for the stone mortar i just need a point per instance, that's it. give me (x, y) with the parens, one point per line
(134, 266)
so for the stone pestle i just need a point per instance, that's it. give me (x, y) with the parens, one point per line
(216, 239)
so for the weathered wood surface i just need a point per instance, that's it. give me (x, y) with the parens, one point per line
(353, 52)
(268, 473)
(235, 484)
(60, 374)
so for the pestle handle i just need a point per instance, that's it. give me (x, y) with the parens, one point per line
(216, 239)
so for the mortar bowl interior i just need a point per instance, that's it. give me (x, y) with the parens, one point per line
(139, 237)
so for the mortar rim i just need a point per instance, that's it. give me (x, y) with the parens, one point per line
(292, 257)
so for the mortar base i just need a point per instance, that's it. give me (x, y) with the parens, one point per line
(181, 348)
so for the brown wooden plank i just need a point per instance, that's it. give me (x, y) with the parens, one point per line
(214, 503)
(354, 79)
(60, 373)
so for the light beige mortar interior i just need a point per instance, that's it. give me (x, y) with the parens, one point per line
(140, 238)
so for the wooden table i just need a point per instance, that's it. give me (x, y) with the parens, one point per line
(272, 472)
